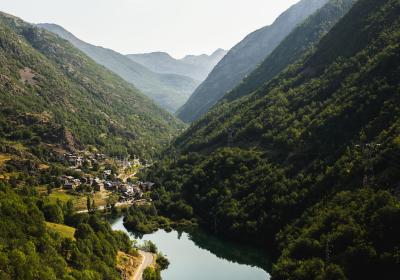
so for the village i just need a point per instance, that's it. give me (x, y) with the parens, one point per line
(97, 174)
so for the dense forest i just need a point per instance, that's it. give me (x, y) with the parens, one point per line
(300, 159)
(306, 165)
(30, 250)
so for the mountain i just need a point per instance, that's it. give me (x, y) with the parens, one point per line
(242, 59)
(55, 100)
(306, 166)
(54, 95)
(170, 91)
(195, 66)
(297, 44)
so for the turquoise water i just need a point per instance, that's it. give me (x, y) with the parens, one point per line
(198, 256)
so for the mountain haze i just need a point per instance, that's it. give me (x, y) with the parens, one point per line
(242, 59)
(168, 90)
(195, 66)
(297, 44)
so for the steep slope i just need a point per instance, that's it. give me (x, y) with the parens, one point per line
(242, 59)
(308, 164)
(195, 66)
(169, 91)
(53, 93)
(293, 47)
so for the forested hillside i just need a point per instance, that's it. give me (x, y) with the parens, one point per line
(30, 250)
(308, 165)
(242, 59)
(54, 100)
(53, 94)
(168, 90)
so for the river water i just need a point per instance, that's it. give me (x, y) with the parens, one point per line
(200, 256)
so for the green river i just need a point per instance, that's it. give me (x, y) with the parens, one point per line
(200, 256)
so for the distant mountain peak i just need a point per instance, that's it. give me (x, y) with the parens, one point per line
(195, 66)
(219, 52)
(159, 53)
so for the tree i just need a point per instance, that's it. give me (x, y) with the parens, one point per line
(49, 189)
(151, 274)
(162, 261)
(149, 247)
(88, 203)
(93, 205)
(53, 213)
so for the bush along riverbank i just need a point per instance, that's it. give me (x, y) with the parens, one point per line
(144, 219)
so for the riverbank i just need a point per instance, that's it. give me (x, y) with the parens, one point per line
(144, 219)
(190, 253)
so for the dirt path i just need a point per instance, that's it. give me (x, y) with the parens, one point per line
(147, 260)
(125, 177)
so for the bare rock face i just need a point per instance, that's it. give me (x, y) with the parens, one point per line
(27, 76)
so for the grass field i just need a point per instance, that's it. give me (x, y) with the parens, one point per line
(43, 166)
(128, 264)
(4, 158)
(8, 175)
(63, 230)
(99, 200)
(62, 196)
(79, 201)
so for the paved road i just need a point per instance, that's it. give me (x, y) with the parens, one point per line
(147, 260)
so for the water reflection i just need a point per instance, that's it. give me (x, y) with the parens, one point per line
(230, 251)
(198, 255)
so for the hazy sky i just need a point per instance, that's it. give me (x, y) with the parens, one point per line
(179, 27)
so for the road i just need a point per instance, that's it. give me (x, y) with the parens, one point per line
(124, 177)
(147, 260)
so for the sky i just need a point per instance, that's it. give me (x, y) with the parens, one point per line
(179, 27)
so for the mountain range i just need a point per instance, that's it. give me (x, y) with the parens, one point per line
(242, 59)
(294, 145)
(195, 66)
(169, 90)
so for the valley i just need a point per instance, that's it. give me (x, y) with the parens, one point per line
(277, 159)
